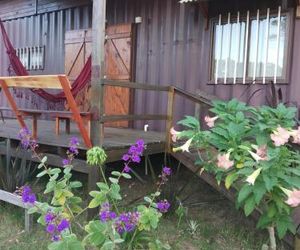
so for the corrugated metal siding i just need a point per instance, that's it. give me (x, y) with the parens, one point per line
(173, 47)
(170, 50)
(43, 30)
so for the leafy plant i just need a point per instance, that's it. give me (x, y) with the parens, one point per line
(115, 227)
(14, 171)
(193, 227)
(253, 150)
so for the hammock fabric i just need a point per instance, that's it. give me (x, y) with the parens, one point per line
(81, 81)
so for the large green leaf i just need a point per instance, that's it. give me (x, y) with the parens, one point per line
(245, 191)
(249, 205)
(96, 233)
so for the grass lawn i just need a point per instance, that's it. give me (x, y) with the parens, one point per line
(219, 225)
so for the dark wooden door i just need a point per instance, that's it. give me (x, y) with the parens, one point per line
(119, 61)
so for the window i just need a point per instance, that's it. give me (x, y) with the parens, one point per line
(32, 57)
(250, 49)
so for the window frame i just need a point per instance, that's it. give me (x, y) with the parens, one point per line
(29, 49)
(289, 13)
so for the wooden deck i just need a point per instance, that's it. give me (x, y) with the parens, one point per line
(116, 140)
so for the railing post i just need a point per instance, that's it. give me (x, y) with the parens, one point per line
(101, 112)
(198, 107)
(170, 113)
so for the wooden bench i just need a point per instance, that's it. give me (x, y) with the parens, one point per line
(58, 115)
(67, 117)
(34, 114)
(43, 82)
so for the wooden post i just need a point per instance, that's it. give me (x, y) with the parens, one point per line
(96, 102)
(98, 53)
(169, 122)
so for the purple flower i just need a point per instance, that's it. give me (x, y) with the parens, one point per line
(140, 143)
(66, 162)
(127, 222)
(133, 155)
(55, 237)
(49, 217)
(105, 213)
(51, 228)
(26, 139)
(28, 196)
(126, 169)
(126, 157)
(73, 146)
(74, 141)
(163, 206)
(136, 158)
(167, 171)
(64, 224)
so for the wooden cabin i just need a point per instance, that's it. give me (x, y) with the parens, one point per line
(153, 61)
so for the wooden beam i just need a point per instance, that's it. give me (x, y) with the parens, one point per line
(98, 53)
(12, 103)
(170, 114)
(146, 117)
(76, 113)
(135, 85)
(35, 82)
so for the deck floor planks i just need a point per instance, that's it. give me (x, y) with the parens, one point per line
(115, 138)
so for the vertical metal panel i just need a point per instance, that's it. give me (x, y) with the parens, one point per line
(43, 30)
(173, 47)
(169, 50)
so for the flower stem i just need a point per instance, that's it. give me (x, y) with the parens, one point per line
(105, 180)
(272, 238)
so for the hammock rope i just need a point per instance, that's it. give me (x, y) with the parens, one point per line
(80, 82)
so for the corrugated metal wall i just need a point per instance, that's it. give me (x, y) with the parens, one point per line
(172, 48)
(43, 30)
(169, 50)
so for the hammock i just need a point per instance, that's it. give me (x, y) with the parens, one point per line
(81, 81)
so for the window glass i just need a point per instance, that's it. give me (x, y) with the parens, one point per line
(266, 48)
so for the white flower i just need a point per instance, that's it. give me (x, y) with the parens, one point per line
(185, 147)
(251, 178)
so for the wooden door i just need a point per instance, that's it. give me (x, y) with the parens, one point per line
(78, 46)
(119, 61)
(118, 66)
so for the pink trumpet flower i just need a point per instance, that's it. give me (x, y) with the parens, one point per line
(280, 136)
(224, 161)
(174, 134)
(293, 198)
(261, 153)
(210, 121)
(296, 135)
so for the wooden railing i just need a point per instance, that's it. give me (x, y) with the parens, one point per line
(199, 99)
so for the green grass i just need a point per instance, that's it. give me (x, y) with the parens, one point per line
(220, 225)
